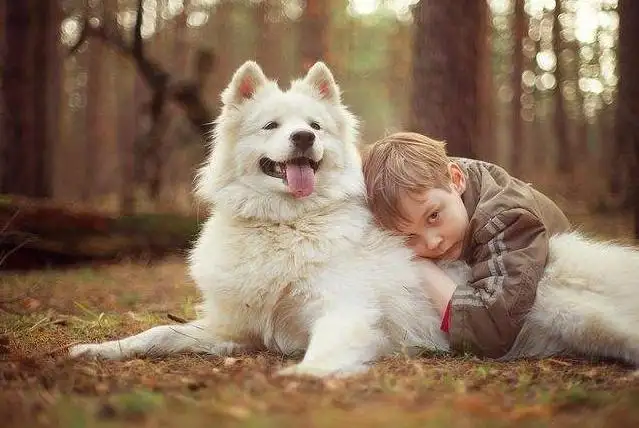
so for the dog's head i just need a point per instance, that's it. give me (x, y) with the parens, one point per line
(277, 154)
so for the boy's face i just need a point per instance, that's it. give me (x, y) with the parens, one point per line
(437, 219)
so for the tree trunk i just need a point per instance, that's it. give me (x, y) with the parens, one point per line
(313, 38)
(127, 133)
(181, 46)
(54, 90)
(94, 138)
(30, 69)
(564, 160)
(447, 61)
(628, 102)
(267, 46)
(580, 142)
(519, 32)
(4, 108)
(485, 145)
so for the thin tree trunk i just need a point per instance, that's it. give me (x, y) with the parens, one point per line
(627, 131)
(485, 143)
(21, 162)
(181, 46)
(94, 139)
(127, 128)
(53, 90)
(267, 46)
(519, 32)
(580, 144)
(4, 110)
(313, 38)
(564, 160)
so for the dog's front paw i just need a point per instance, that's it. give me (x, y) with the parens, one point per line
(83, 350)
(305, 370)
(319, 371)
(94, 350)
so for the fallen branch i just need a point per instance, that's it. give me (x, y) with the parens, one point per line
(5, 232)
(176, 319)
(6, 255)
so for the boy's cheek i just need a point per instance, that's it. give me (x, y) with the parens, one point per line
(416, 244)
(420, 252)
(411, 245)
(457, 253)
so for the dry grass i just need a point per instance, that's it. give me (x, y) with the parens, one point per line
(42, 312)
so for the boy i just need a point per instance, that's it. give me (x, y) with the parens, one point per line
(456, 208)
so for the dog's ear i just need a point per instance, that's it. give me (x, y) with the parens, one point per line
(320, 78)
(246, 81)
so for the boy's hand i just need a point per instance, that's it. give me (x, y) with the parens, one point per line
(437, 285)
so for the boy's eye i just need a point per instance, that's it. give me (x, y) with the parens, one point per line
(433, 217)
(271, 125)
(315, 125)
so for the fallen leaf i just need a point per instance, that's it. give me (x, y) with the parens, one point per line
(529, 412)
(229, 361)
(238, 412)
(31, 303)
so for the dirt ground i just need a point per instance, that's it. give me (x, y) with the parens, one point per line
(42, 312)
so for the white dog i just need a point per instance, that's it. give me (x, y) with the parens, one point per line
(291, 260)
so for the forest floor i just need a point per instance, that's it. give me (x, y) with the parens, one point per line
(41, 312)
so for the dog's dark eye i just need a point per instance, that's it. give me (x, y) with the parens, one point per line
(315, 125)
(271, 125)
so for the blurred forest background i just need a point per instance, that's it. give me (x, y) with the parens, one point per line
(105, 104)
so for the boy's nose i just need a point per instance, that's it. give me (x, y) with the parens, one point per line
(433, 242)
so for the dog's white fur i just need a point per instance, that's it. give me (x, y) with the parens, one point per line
(314, 275)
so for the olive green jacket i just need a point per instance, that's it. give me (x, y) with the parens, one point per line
(506, 246)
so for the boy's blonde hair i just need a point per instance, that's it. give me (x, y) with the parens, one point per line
(404, 162)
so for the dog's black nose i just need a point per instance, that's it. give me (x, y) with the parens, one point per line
(303, 140)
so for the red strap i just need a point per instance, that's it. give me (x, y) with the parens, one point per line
(446, 318)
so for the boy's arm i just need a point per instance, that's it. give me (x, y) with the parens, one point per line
(487, 313)
(438, 285)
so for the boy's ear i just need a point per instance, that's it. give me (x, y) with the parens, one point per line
(457, 177)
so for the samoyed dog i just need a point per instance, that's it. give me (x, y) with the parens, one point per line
(292, 261)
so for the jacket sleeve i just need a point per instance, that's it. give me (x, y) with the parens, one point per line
(509, 255)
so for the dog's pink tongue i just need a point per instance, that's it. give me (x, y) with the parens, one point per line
(300, 178)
